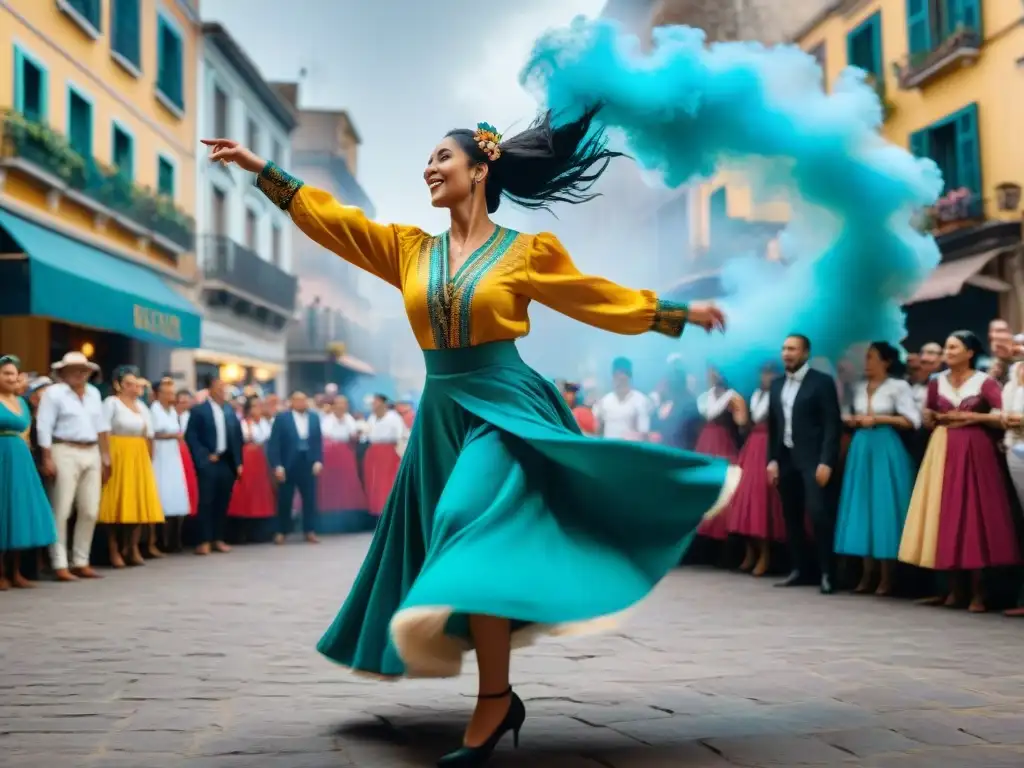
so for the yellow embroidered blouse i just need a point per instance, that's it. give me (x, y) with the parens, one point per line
(487, 298)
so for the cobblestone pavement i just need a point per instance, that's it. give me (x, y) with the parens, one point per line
(212, 662)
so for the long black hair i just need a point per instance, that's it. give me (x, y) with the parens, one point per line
(890, 356)
(973, 344)
(544, 164)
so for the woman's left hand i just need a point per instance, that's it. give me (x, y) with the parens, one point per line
(706, 315)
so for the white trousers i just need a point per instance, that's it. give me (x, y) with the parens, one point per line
(77, 486)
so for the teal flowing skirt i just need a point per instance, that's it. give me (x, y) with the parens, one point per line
(502, 507)
(26, 520)
(878, 481)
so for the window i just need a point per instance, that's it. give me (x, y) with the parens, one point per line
(221, 113)
(252, 135)
(79, 123)
(275, 246)
(930, 22)
(275, 152)
(126, 33)
(251, 227)
(220, 212)
(953, 144)
(29, 87)
(165, 177)
(170, 74)
(864, 47)
(123, 154)
(85, 13)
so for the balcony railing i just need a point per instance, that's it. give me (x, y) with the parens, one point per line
(961, 47)
(242, 271)
(96, 185)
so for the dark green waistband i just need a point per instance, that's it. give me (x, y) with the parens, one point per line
(441, 362)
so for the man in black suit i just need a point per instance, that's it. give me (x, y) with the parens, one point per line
(214, 438)
(804, 427)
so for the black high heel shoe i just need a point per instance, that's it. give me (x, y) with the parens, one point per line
(471, 757)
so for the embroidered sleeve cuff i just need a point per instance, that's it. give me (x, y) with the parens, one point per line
(669, 318)
(278, 185)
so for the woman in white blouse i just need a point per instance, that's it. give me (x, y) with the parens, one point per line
(171, 480)
(130, 498)
(879, 476)
(756, 509)
(253, 497)
(340, 493)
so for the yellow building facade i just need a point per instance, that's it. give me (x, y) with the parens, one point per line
(945, 71)
(97, 177)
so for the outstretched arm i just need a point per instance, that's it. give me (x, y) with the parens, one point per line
(343, 229)
(553, 280)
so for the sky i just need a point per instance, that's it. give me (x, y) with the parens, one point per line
(406, 71)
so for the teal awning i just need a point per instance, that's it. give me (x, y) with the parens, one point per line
(76, 283)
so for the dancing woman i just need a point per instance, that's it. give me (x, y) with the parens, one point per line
(505, 522)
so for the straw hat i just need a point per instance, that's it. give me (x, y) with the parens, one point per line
(75, 360)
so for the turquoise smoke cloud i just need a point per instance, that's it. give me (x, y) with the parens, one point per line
(687, 110)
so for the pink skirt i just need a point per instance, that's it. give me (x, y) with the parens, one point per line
(716, 440)
(340, 489)
(380, 467)
(756, 509)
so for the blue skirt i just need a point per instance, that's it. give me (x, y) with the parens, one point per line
(502, 507)
(26, 519)
(877, 484)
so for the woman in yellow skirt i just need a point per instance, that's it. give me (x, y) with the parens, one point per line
(130, 498)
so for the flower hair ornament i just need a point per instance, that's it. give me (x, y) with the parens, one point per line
(488, 139)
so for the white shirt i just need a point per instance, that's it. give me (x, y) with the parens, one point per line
(339, 429)
(713, 403)
(893, 397)
(790, 388)
(220, 428)
(623, 417)
(63, 415)
(257, 433)
(759, 406)
(301, 420)
(387, 429)
(1013, 403)
(165, 420)
(125, 421)
(183, 418)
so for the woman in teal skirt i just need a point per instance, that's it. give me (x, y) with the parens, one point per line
(505, 523)
(878, 479)
(26, 519)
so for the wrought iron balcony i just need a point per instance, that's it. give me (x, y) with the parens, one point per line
(958, 49)
(233, 268)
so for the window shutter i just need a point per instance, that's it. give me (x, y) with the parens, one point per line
(919, 30)
(968, 150)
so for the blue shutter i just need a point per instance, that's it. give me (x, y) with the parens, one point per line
(126, 31)
(919, 27)
(967, 14)
(877, 58)
(919, 144)
(968, 150)
(79, 124)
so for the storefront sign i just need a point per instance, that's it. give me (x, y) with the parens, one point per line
(163, 324)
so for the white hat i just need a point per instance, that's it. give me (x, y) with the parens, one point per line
(75, 359)
(39, 382)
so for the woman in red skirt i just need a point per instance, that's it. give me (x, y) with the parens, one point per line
(253, 496)
(340, 491)
(724, 413)
(380, 465)
(183, 405)
(756, 507)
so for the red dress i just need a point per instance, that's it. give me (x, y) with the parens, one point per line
(190, 479)
(380, 467)
(717, 438)
(253, 496)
